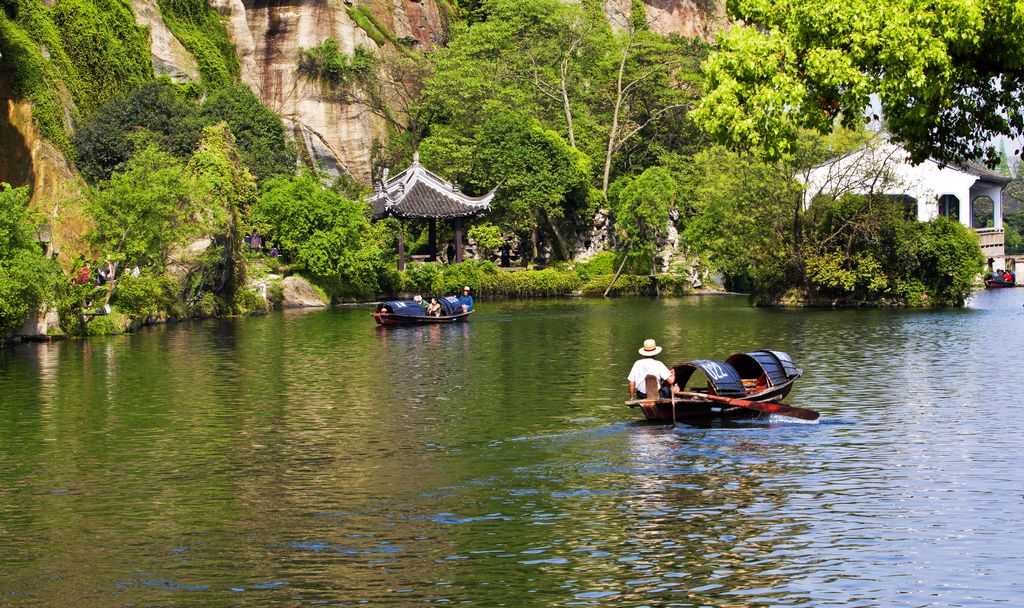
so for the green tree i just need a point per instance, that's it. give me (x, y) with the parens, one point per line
(140, 213)
(222, 190)
(258, 132)
(644, 211)
(322, 233)
(946, 80)
(107, 139)
(26, 276)
(543, 179)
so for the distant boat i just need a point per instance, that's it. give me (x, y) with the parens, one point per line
(998, 280)
(407, 312)
(745, 384)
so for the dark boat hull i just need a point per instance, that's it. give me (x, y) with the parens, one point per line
(998, 283)
(660, 410)
(390, 318)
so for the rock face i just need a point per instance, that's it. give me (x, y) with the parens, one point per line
(28, 159)
(270, 35)
(296, 292)
(692, 18)
(170, 58)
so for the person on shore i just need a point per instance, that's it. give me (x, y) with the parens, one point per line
(647, 365)
(466, 299)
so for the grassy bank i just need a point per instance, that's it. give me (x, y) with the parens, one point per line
(589, 279)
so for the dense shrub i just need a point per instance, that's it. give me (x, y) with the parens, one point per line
(145, 297)
(26, 276)
(258, 132)
(109, 138)
(540, 283)
(883, 256)
(322, 234)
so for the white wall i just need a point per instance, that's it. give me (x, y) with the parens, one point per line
(885, 168)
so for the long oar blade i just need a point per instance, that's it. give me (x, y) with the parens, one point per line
(767, 408)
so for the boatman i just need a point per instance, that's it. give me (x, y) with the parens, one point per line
(647, 365)
(466, 300)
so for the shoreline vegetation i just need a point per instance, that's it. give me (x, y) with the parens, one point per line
(194, 202)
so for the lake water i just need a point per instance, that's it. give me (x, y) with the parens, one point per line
(313, 459)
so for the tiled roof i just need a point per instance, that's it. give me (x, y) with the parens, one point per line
(981, 172)
(418, 193)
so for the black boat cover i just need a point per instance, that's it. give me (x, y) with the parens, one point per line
(723, 377)
(450, 305)
(771, 365)
(405, 307)
(792, 371)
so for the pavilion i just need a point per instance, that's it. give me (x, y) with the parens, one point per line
(416, 194)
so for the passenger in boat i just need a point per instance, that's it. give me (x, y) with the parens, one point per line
(647, 365)
(434, 308)
(418, 299)
(466, 300)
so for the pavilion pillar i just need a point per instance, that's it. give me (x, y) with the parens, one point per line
(401, 247)
(458, 239)
(433, 239)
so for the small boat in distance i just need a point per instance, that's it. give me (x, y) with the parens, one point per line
(744, 385)
(408, 312)
(1001, 279)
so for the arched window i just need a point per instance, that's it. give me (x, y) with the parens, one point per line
(983, 213)
(949, 206)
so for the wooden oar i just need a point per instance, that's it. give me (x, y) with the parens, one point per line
(767, 408)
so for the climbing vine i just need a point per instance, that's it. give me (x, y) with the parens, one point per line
(200, 29)
(71, 58)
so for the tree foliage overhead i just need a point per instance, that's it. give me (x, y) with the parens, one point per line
(945, 73)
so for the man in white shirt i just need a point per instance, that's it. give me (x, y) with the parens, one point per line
(649, 366)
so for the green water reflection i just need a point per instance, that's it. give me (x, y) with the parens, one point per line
(313, 458)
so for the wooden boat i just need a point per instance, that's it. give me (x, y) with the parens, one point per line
(744, 385)
(997, 281)
(407, 312)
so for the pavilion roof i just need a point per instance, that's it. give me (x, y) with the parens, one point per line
(419, 193)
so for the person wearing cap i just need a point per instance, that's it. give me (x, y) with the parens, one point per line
(647, 365)
(466, 300)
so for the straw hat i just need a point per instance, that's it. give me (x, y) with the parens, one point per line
(650, 349)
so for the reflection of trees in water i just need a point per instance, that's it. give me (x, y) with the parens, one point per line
(707, 516)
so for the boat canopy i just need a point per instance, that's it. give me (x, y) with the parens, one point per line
(723, 379)
(775, 366)
(450, 305)
(405, 307)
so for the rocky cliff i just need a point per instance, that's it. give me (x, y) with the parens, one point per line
(270, 35)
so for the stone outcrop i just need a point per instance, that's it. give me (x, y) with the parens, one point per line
(296, 292)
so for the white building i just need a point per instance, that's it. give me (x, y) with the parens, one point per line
(970, 194)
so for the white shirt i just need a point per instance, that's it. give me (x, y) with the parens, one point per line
(648, 366)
